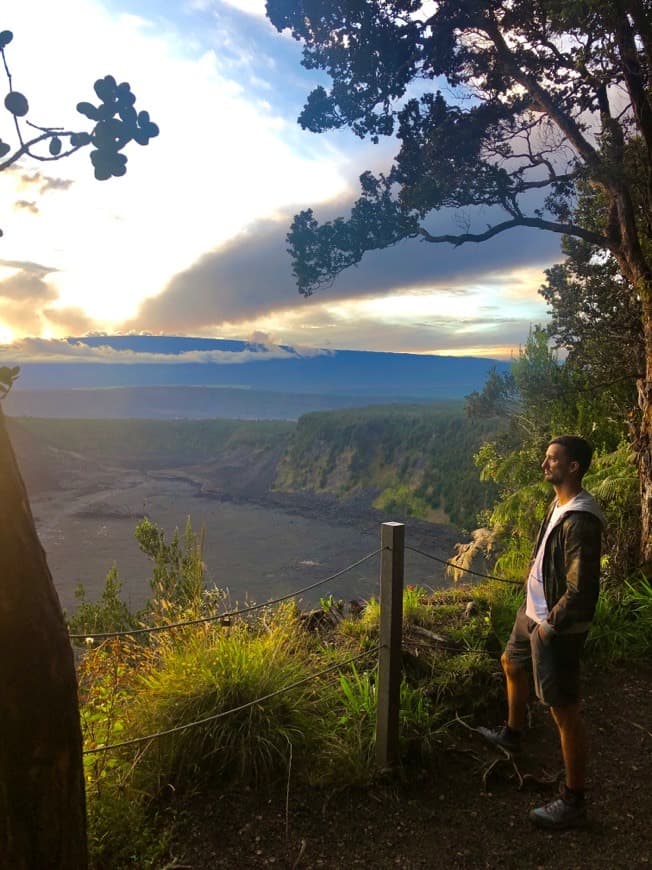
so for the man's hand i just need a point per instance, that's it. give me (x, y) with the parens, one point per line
(545, 632)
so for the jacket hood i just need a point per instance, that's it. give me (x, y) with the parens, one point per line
(584, 501)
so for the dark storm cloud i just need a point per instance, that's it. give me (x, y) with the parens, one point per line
(250, 276)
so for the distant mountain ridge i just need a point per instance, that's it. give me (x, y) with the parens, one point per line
(361, 374)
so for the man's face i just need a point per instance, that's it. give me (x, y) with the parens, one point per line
(557, 467)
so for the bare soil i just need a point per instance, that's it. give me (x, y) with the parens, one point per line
(457, 813)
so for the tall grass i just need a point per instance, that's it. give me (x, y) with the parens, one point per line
(622, 627)
(324, 728)
(217, 670)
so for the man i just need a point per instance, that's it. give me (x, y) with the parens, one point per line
(552, 624)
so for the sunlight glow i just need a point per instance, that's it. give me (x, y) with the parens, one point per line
(6, 335)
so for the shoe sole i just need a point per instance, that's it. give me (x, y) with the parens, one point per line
(545, 825)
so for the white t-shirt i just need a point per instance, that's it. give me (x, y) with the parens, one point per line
(536, 607)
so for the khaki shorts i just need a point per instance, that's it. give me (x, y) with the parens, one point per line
(555, 661)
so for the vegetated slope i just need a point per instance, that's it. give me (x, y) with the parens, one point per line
(187, 402)
(146, 443)
(411, 460)
(408, 460)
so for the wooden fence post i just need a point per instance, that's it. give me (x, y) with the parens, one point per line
(392, 560)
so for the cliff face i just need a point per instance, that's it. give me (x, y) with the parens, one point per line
(413, 461)
(407, 460)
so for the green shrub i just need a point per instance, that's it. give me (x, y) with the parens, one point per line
(622, 627)
(219, 669)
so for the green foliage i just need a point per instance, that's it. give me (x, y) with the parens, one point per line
(177, 584)
(622, 628)
(348, 746)
(401, 501)
(321, 732)
(613, 480)
(7, 377)
(415, 459)
(549, 399)
(110, 613)
(595, 314)
(216, 671)
(158, 443)
(124, 828)
(177, 581)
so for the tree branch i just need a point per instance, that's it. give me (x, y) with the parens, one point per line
(635, 79)
(24, 149)
(533, 223)
(541, 97)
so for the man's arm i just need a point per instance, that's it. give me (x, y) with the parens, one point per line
(581, 540)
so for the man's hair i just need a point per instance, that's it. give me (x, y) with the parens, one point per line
(578, 450)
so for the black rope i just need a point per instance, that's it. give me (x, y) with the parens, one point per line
(460, 568)
(154, 628)
(224, 713)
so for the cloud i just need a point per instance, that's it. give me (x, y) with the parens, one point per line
(39, 181)
(26, 205)
(71, 320)
(469, 328)
(65, 350)
(20, 318)
(250, 276)
(23, 296)
(28, 266)
(250, 7)
(50, 183)
(26, 286)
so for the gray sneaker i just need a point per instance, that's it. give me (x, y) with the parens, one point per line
(559, 815)
(501, 737)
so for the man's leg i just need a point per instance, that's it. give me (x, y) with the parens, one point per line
(516, 662)
(572, 733)
(557, 679)
(518, 691)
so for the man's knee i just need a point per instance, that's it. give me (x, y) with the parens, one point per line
(567, 715)
(511, 668)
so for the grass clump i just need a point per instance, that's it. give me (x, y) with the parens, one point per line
(215, 671)
(622, 627)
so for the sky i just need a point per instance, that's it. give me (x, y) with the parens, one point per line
(191, 241)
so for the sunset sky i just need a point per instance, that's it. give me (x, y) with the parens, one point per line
(192, 240)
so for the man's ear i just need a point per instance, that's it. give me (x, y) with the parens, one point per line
(574, 466)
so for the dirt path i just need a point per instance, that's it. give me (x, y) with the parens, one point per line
(442, 818)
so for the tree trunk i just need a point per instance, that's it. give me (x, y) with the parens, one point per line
(42, 806)
(644, 443)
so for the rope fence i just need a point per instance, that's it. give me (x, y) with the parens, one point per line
(177, 728)
(461, 568)
(104, 635)
(392, 567)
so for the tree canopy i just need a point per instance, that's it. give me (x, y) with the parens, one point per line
(522, 102)
(507, 111)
